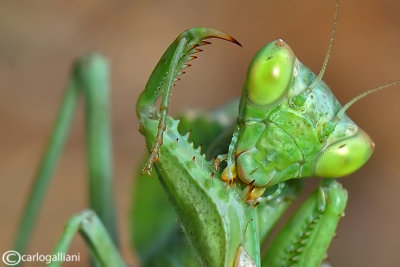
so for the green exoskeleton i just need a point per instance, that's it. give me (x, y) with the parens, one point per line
(289, 125)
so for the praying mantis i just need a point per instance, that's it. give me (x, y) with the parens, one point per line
(289, 126)
(226, 214)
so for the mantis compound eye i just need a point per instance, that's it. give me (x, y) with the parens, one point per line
(270, 73)
(345, 156)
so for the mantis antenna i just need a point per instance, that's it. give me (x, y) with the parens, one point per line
(362, 95)
(328, 53)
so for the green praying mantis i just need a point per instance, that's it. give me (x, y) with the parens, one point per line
(230, 174)
(289, 126)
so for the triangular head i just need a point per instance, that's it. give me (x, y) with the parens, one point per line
(287, 129)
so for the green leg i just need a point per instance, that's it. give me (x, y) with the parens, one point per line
(163, 79)
(94, 233)
(213, 217)
(93, 77)
(161, 242)
(46, 168)
(89, 75)
(305, 238)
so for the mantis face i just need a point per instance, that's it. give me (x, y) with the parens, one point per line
(288, 129)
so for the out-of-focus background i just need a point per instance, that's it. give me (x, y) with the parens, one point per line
(40, 40)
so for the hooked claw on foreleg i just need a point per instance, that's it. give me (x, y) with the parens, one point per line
(164, 77)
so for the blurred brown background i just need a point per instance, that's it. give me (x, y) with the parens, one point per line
(39, 40)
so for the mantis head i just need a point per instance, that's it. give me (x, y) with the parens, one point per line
(345, 147)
